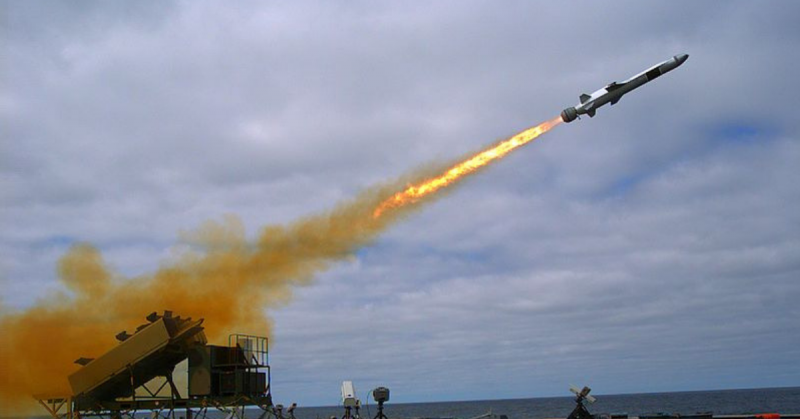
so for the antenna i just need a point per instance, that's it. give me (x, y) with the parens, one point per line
(581, 396)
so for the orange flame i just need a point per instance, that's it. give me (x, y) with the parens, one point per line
(414, 193)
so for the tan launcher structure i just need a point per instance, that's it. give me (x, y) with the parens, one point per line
(137, 375)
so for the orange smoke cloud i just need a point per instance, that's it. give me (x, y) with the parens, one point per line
(229, 281)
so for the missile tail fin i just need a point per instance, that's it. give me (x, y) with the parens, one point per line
(591, 112)
(585, 97)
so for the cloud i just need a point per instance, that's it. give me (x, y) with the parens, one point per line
(641, 243)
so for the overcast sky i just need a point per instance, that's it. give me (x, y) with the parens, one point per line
(655, 247)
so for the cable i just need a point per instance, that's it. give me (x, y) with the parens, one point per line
(369, 414)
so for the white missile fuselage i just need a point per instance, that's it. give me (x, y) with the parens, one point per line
(612, 92)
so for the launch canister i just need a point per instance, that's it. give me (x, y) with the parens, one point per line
(613, 92)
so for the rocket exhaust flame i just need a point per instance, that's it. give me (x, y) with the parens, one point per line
(229, 281)
(414, 193)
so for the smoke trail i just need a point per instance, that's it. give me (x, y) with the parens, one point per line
(229, 282)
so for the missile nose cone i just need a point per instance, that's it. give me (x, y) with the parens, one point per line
(681, 58)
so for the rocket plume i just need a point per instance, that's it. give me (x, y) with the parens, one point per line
(414, 193)
(226, 279)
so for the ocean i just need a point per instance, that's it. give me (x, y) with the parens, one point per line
(722, 402)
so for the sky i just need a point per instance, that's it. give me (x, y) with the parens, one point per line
(655, 247)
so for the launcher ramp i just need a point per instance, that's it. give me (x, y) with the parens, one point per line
(152, 351)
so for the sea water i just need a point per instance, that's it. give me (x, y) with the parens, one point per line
(723, 402)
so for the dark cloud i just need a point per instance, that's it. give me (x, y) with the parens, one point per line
(651, 248)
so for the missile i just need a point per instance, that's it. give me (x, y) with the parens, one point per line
(614, 91)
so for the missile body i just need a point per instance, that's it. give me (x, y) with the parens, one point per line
(614, 91)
